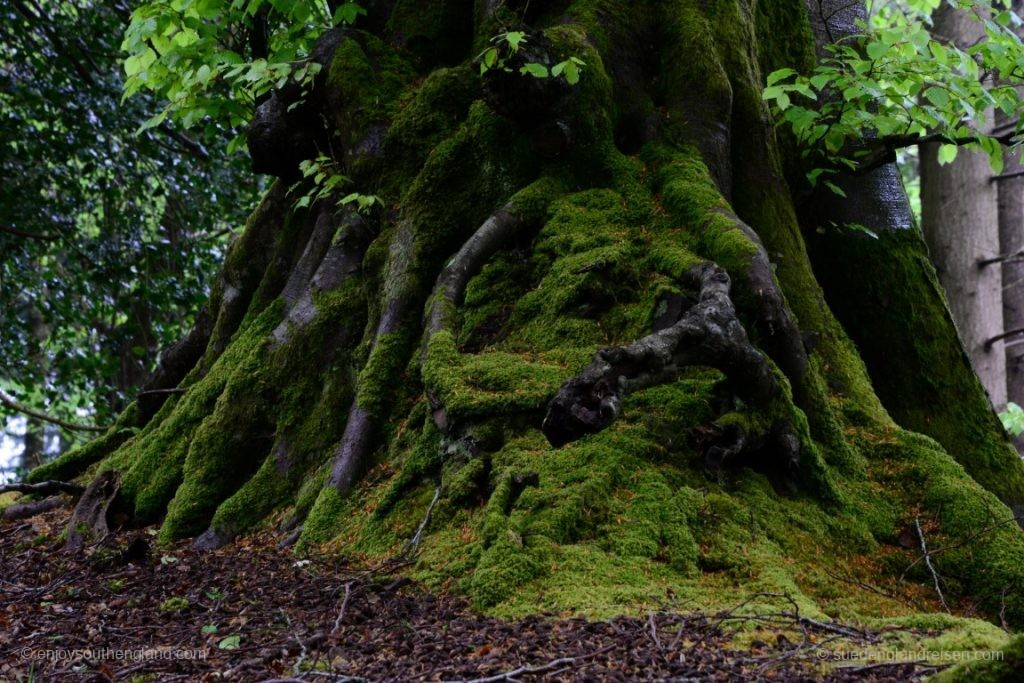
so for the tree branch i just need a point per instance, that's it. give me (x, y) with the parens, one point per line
(42, 237)
(882, 150)
(44, 488)
(11, 403)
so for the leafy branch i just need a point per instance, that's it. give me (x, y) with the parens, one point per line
(895, 85)
(324, 179)
(506, 45)
(210, 60)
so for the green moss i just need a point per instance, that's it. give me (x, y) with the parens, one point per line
(377, 381)
(1003, 668)
(434, 32)
(493, 383)
(503, 568)
(913, 350)
(174, 605)
(424, 118)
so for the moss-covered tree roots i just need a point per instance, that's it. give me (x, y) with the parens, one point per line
(582, 328)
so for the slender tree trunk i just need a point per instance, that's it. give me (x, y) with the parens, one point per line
(1011, 241)
(583, 336)
(960, 219)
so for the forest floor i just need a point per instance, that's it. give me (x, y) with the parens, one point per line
(250, 612)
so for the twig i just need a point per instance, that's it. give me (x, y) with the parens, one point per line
(833, 627)
(344, 606)
(959, 544)
(11, 403)
(524, 670)
(861, 584)
(653, 629)
(44, 488)
(1002, 609)
(302, 645)
(151, 392)
(928, 563)
(415, 542)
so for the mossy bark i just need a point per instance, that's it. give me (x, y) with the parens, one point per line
(357, 363)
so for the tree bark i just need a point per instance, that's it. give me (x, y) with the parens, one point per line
(960, 220)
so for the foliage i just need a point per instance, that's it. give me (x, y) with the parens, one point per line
(137, 223)
(507, 44)
(326, 180)
(1013, 419)
(211, 60)
(895, 85)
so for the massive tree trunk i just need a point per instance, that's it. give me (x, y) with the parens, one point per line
(582, 342)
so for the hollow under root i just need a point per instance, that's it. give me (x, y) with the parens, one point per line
(708, 334)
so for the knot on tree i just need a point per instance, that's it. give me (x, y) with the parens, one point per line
(708, 333)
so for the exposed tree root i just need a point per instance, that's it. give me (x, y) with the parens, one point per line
(780, 335)
(332, 256)
(31, 508)
(44, 488)
(450, 287)
(708, 334)
(90, 517)
(350, 457)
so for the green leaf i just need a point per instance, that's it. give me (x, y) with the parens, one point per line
(937, 96)
(947, 153)
(348, 13)
(514, 39)
(230, 643)
(876, 50)
(534, 69)
(781, 74)
(209, 628)
(835, 188)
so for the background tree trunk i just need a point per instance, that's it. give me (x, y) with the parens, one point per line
(1011, 241)
(960, 219)
(583, 338)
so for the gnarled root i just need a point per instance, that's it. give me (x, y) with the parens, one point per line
(708, 334)
(90, 517)
(450, 287)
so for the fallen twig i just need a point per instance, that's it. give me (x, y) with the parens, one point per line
(928, 563)
(31, 509)
(543, 668)
(344, 606)
(415, 542)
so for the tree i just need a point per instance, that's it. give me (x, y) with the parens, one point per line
(135, 221)
(581, 342)
(960, 220)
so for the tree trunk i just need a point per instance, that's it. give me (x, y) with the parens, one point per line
(960, 219)
(1011, 241)
(585, 314)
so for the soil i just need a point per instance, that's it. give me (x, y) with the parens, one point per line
(126, 611)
